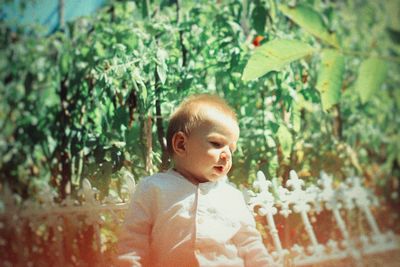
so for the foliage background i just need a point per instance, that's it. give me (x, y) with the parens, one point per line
(92, 99)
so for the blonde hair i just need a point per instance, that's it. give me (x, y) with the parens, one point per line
(188, 115)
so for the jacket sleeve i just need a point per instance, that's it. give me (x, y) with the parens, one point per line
(134, 237)
(249, 242)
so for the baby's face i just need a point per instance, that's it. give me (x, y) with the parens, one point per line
(210, 146)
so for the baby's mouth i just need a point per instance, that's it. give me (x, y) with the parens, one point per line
(219, 168)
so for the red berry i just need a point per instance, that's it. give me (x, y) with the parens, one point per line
(257, 40)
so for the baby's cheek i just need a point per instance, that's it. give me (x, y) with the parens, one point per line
(229, 166)
(212, 153)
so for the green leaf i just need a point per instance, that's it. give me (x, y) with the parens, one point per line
(393, 14)
(295, 117)
(162, 67)
(371, 75)
(64, 63)
(131, 41)
(273, 56)
(145, 9)
(311, 21)
(285, 140)
(330, 77)
(259, 17)
(98, 46)
(397, 97)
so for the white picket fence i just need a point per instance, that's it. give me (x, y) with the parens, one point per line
(294, 198)
(39, 232)
(55, 232)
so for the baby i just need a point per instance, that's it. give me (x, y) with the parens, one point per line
(190, 215)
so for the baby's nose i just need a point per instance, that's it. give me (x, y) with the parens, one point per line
(225, 155)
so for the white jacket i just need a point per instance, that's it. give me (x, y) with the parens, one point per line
(172, 222)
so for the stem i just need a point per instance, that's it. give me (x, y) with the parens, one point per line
(243, 20)
(61, 21)
(132, 104)
(183, 48)
(338, 124)
(263, 108)
(364, 54)
(159, 122)
(125, 64)
(149, 144)
(146, 133)
(62, 149)
(148, 8)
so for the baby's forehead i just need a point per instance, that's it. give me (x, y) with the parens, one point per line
(209, 111)
(214, 118)
(219, 123)
(211, 115)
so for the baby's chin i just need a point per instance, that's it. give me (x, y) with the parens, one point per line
(216, 178)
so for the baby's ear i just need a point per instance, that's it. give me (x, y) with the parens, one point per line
(179, 143)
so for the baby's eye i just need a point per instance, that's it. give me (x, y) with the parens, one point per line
(215, 144)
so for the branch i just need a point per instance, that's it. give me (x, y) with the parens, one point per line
(159, 121)
(183, 48)
(338, 124)
(61, 14)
